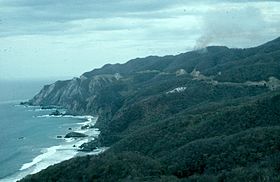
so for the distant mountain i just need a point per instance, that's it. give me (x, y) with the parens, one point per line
(206, 115)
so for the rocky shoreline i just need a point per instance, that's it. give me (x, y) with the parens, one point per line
(91, 145)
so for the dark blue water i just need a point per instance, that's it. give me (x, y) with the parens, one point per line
(24, 135)
(20, 90)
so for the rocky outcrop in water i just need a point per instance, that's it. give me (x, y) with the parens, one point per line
(56, 113)
(75, 135)
(88, 147)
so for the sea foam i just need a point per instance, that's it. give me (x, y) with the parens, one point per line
(53, 155)
(56, 154)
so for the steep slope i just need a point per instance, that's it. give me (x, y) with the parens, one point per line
(221, 63)
(78, 95)
(230, 142)
(192, 116)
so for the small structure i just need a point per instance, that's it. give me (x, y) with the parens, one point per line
(181, 72)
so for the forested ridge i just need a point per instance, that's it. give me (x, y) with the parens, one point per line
(211, 115)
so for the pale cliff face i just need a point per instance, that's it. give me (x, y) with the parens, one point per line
(77, 94)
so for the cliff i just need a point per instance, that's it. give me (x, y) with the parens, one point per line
(77, 95)
(201, 115)
(217, 73)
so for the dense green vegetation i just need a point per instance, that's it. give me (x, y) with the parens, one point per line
(206, 132)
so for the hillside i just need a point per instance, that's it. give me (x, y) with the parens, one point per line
(211, 115)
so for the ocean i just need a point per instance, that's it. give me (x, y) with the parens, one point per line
(29, 139)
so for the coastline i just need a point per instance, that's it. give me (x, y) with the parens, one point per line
(69, 147)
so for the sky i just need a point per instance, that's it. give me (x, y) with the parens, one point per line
(61, 39)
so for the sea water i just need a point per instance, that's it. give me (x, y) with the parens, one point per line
(28, 135)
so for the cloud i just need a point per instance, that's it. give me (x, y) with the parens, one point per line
(236, 24)
(69, 17)
(27, 17)
(89, 33)
(213, 21)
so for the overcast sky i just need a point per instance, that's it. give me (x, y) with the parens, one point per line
(64, 38)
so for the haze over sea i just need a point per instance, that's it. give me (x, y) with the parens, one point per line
(29, 142)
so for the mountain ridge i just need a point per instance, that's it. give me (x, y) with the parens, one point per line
(159, 110)
(154, 62)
